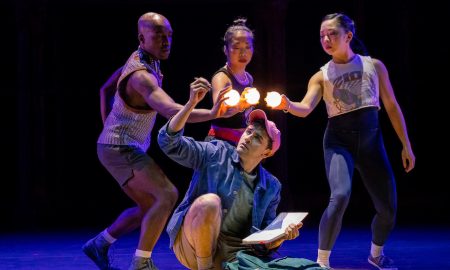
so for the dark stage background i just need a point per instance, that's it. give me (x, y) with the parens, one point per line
(57, 54)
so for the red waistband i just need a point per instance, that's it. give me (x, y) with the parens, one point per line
(228, 134)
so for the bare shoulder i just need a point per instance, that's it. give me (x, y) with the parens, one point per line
(143, 76)
(317, 77)
(219, 76)
(142, 82)
(220, 80)
(379, 65)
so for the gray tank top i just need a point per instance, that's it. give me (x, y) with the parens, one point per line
(350, 86)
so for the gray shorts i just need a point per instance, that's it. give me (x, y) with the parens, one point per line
(121, 160)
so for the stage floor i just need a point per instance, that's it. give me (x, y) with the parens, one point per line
(411, 248)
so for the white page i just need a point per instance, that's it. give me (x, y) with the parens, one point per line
(275, 229)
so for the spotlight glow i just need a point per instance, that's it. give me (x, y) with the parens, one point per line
(252, 96)
(233, 97)
(273, 99)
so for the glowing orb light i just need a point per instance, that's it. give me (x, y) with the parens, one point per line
(252, 96)
(233, 97)
(273, 99)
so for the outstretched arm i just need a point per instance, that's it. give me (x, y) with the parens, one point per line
(199, 88)
(395, 115)
(184, 150)
(107, 92)
(147, 86)
(309, 102)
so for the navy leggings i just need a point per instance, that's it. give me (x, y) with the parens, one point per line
(354, 141)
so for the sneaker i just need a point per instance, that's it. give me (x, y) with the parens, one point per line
(382, 262)
(97, 250)
(140, 263)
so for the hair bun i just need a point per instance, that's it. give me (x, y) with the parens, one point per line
(240, 21)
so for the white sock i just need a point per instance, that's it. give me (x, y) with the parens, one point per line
(142, 253)
(323, 257)
(108, 237)
(376, 251)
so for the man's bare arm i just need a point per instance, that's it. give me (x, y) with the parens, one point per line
(147, 86)
(107, 92)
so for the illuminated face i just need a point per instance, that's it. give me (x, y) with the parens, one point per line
(239, 50)
(157, 39)
(333, 38)
(254, 143)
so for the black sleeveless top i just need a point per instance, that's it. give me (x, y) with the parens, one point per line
(238, 120)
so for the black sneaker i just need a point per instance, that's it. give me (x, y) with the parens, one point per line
(140, 263)
(382, 262)
(97, 250)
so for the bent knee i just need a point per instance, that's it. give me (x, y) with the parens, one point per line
(164, 198)
(209, 204)
(167, 196)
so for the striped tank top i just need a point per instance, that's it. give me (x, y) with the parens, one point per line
(125, 125)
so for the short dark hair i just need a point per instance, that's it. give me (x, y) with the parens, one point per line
(260, 123)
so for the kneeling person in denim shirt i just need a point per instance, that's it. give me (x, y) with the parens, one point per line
(230, 195)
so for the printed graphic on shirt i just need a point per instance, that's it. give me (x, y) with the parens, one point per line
(349, 92)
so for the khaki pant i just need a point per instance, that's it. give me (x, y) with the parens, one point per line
(185, 253)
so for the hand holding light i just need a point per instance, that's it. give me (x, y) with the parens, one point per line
(251, 95)
(233, 97)
(273, 99)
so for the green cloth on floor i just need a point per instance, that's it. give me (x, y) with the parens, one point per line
(248, 261)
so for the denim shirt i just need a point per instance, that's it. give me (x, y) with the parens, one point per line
(217, 170)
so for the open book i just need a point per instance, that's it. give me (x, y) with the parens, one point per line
(276, 229)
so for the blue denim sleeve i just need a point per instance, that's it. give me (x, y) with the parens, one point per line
(271, 212)
(184, 150)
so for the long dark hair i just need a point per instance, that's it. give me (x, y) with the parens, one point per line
(348, 25)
